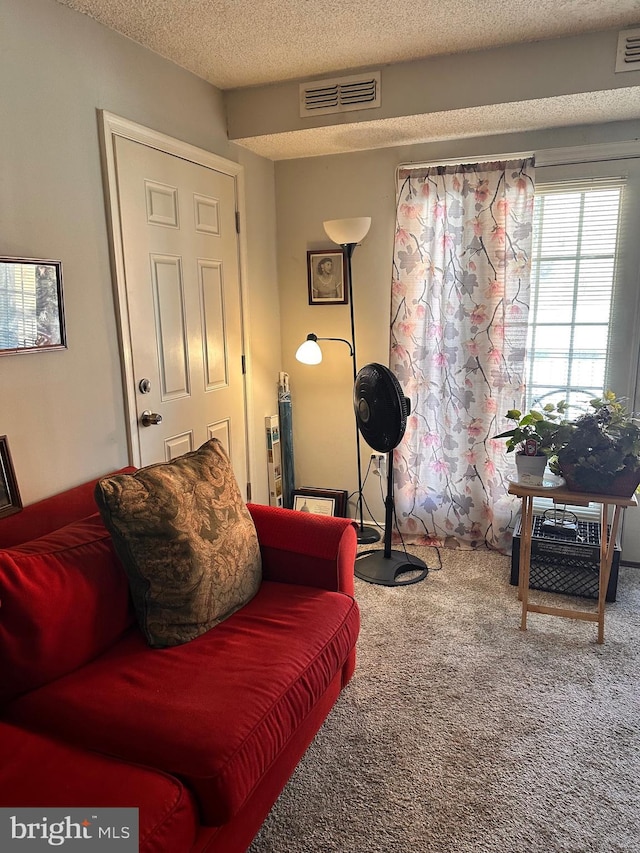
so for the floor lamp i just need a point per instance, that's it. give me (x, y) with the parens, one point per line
(347, 233)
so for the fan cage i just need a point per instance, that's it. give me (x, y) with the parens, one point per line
(384, 398)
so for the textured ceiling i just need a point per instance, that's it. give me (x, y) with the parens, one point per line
(233, 43)
(238, 43)
(584, 108)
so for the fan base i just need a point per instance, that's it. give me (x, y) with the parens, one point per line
(375, 567)
(368, 535)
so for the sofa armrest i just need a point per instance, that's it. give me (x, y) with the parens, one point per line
(49, 514)
(307, 549)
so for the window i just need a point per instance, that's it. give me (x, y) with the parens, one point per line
(575, 247)
(18, 305)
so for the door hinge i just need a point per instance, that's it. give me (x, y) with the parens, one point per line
(237, 221)
(244, 365)
(248, 491)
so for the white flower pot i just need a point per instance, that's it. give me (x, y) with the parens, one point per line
(530, 469)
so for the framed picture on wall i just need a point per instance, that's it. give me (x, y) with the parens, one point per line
(321, 501)
(9, 495)
(325, 275)
(32, 319)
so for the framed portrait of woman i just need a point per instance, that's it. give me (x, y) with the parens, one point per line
(325, 272)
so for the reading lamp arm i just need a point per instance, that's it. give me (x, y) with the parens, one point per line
(313, 337)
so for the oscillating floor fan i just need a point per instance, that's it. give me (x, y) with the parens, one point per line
(381, 414)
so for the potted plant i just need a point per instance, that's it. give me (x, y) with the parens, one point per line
(599, 451)
(533, 439)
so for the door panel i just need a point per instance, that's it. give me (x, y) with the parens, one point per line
(178, 445)
(170, 327)
(221, 431)
(181, 267)
(213, 331)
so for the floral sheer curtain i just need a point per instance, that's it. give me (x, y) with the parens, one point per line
(458, 333)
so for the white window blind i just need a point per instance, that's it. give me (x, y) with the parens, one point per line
(575, 245)
(576, 236)
(18, 326)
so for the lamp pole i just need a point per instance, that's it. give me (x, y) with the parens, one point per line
(366, 535)
(310, 353)
(346, 233)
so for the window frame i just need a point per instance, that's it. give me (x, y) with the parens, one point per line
(622, 374)
(568, 389)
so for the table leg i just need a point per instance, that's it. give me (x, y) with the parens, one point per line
(607, 548)
(604, 523)
(525, 556)
(524, 526)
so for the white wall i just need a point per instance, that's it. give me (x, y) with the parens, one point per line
(311, 190)
(63, 411)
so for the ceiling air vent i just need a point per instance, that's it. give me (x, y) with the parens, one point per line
(628, 55)
(340, 95)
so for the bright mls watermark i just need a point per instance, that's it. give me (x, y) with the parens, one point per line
(79, 830)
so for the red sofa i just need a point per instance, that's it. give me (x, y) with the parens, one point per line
(200, 737)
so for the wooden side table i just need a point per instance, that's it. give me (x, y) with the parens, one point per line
(607, 546)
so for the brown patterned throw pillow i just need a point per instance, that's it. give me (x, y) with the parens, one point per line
(187, 542)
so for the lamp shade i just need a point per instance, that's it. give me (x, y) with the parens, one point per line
(345, 231)
(309, 352)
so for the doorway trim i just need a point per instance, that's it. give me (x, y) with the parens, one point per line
(112, 126)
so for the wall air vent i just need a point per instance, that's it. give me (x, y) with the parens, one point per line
(628, 55)
(340, 94)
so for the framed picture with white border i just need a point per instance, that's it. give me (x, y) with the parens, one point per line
(321, 501)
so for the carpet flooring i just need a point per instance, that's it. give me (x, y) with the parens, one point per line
(459, 733)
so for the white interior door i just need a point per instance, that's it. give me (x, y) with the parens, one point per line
(182, 283)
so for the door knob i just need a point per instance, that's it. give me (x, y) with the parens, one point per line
(148, 418)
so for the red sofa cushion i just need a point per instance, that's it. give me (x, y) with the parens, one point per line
(36, 771)
(217, 711)
(64, 599)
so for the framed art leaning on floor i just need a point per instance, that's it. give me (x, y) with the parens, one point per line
(321, 501)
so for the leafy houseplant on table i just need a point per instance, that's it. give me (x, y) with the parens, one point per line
(533, 437)
(599, 451)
